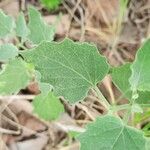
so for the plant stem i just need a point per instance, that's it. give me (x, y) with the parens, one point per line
(120, 107)
(102, 98)
(127, 116)
(129, 111)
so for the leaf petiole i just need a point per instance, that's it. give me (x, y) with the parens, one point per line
(116, 108)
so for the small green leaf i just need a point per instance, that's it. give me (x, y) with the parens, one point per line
(13, 77)
(21, 27)
(48, 106)
(39, 30)
(136, 108)
(120, 77)
(142, 117)
(45, 87)
(7, 52)
(109, 133)
(51, 4)
(73, 134)
(6, 24)
(140, 78)
(71, 68)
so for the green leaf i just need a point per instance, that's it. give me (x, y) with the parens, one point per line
(6, 24)
(39, 30)
(147, 143)
(21, 27)
(13, 77)
(136, 108)
(109, 133)
(140, 78)
(73, 134)
(142, 117)
(120, 77)
(71, 68)
(143, 98)
(45, 87)
(51, 4)
(146, 129)
(7, 52)
(48, 106)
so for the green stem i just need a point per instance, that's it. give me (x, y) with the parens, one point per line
(101, 97)
(129, 111)
(127, 116)
(120, 107)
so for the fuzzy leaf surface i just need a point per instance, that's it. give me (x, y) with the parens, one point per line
(39, 30)
(21, 27)
(13, 77)
(6, 24)
(140, 78)
(120, 77)
(7, 52)
(70, 67)
(109, 133)
(48, 106)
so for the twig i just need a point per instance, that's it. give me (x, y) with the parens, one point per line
(2, 144)
(70, 12)
(102, 98)
(107, 82)
(21, 126)
(86, 110)
(68, 128)
(77, 6)
(5, 131)
(17, 97)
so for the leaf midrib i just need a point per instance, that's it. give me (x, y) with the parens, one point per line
(71, 70)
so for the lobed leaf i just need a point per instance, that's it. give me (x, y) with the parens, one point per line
(120, 77)
(71, 68)
(39, 30)
(6, 24)
(48, 106)
(7, 52)
(21, 27)
(13, 77)
(109, 133)
(140, 78)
